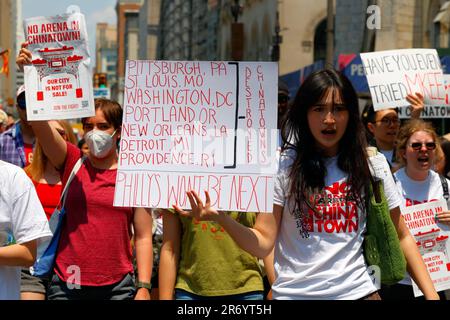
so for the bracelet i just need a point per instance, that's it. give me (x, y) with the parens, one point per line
(146, 285)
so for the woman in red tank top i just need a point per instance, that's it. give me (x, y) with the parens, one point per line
(47, 182)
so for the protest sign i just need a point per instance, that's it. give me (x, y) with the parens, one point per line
(433, 241)
(432, 112)
(198, 126)
(58, 82)
(394, 74)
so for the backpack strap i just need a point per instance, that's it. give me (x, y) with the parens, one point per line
(444, 187)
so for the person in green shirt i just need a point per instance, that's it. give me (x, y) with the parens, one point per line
(200, 261)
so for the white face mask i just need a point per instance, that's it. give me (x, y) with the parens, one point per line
(99, 142)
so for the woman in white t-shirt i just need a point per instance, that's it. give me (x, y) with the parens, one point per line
(417, 148)
(318, 219)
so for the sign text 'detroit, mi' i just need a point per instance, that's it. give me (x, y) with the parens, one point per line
(198, 126)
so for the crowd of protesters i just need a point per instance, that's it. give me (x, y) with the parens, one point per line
(204, 254)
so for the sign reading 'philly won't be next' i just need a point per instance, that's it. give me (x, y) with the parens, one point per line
(199, 126)
(392, 75)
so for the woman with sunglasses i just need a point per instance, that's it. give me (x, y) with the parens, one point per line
(319, 213)
(417, 147)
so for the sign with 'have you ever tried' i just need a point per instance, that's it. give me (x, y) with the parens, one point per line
(198, 126)
(392, 75)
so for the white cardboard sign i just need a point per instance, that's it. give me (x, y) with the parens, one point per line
(432, 112)
(191, 125)
(393, 74)
(58, 82)
(433, 241)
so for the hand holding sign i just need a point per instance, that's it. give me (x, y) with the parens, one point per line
(199, 211)
(24, 57)
(443, 217)
(417, 104)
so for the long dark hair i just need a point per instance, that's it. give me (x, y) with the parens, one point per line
(308, 169)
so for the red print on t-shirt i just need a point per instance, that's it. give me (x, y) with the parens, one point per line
(333, 212)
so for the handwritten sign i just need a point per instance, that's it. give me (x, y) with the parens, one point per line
(394, 74)
(198, 126)
(58, 82)
(433, 241)
(432, 112)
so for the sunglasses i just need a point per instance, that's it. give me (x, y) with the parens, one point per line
(418, 145)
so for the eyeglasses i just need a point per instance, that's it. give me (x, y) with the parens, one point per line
(418, 145)
(389, 121)
(21, 103)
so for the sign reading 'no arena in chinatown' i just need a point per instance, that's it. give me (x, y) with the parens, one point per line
(58, 83)
(198, 126)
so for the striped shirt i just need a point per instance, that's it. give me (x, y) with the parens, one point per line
(12, 146)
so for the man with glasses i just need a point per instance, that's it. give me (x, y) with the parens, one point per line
(16, 144)
(383, 125)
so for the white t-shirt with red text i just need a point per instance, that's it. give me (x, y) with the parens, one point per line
(416, 192)
(329, 264)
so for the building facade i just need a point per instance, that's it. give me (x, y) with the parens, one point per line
(106, 52)
(301, 31)
(127, 40)
(189, 30)
(11, 36)
(149, 29)
(404, 24)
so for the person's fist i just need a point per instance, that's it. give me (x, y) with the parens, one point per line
(24, 57)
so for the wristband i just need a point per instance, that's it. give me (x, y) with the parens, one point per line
(146, 285)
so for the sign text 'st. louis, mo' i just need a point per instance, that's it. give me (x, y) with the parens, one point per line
(191, 125)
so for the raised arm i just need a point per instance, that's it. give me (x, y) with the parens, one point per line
(415, 264)
(258, 241)
(52, 143)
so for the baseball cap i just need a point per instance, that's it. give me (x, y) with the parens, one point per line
(20, 90)
(20, 97)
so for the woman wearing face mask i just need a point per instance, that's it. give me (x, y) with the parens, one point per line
(417, 149)
(94, 251)
(96, 235)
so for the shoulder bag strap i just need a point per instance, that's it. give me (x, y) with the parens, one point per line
(444, 187)
(77, 166)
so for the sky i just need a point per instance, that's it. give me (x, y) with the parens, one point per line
(94, 11)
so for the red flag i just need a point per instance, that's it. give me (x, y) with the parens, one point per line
(5, 68)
